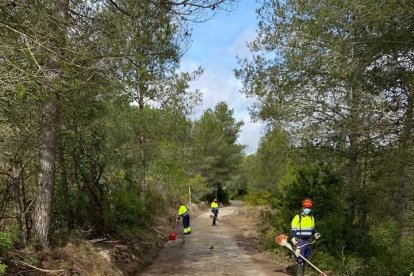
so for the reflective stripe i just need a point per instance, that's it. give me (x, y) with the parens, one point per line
(304, 233)
(303, 228)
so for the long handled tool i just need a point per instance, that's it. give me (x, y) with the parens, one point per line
(177, 221)
(282, 241)
(212, 217)
(173, 233)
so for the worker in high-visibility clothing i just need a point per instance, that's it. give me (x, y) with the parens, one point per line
(215, 210)
(184, 213)
(302, 230)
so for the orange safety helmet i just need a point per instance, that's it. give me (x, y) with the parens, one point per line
(307, 203)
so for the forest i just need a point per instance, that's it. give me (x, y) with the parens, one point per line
(97, 136)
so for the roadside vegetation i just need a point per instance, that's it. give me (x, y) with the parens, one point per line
(334, 82)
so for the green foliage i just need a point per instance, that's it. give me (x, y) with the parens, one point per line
(2, 268)
(271, 161)
(258, 199)
(217, 154)
(324, 260)
(7, 240)
(384, 235)
(337, 75)
(388, 254)
(129, 210)
(346, 247)
(155, 204)
(318, 182)
(198, 186)
(222, 196)
(237, 185)
(268, 239)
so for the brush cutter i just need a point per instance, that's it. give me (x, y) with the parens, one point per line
(282, 241)
(212, 217)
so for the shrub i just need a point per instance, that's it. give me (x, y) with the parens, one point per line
(2, 268)
(6, 242)
(222, 196)
(258, 199)
(129, 210)
(389, 254)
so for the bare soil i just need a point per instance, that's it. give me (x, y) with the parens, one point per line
(225, 249)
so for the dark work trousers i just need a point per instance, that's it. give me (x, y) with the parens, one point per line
(186, 221)
(215, 214)
(304, 250)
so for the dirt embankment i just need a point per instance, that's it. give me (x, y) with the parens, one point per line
(126, 255)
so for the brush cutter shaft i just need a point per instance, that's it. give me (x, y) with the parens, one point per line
(288, 245)
(311, 264)
(212, 217)
(282, 241)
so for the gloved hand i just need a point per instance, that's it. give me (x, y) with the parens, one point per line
(294, 241)
(317, 236)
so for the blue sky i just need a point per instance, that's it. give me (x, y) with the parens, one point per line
(215, 47)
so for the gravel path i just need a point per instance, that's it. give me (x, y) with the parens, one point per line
(213, 250)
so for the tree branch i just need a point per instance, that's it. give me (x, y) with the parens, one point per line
(41, 269)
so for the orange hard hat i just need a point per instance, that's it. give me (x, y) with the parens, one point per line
(307, 203)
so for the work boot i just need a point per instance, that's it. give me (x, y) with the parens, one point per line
(299, 269)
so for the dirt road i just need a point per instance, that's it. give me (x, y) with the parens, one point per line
(213, 250)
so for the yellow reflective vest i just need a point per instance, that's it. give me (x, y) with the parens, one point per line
(182, 211)
(214, 205)
(302, 226)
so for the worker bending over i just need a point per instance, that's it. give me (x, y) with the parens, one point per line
(184, 213)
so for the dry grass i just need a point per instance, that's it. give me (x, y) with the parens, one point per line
(78, 259)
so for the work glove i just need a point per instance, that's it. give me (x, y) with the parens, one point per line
(294, 241)
(317, 236)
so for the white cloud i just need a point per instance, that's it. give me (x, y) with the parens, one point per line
(218, 85)
(216, 44)
(250, 136)
(239, 47)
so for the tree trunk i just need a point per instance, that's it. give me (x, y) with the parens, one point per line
(28, 221)
(49, 126)
(42, 213)
(405, 149)
(354, 191)
(189, 194)
(142, 149)
(16, 175)
(143, 167)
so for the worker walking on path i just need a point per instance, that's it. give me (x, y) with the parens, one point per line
(214, 210)
(184, 213)
(302, 230)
